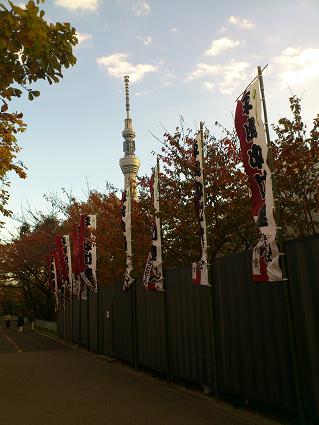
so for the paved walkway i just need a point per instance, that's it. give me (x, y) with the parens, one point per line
(45, 382)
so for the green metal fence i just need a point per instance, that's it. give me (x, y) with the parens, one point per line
(172, 331)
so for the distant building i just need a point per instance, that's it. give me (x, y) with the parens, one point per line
(130, 163)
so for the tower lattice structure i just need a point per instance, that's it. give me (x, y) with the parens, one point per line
(130, 163)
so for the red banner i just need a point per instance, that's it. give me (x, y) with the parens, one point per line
(254, 150)
(62, 259)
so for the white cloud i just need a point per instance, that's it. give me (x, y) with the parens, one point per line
(222, 29)
(241, 22)
(82, 37)
(225, 78)
(145, 40)
(202, 70)
(141, 93)
(174, 30)
(167, 78)
(209, 85)
(220, 45)
(140, 8)
(296, 66)
(117, 66)
(79, 4)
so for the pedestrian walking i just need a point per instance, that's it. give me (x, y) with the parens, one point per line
(7, 319)
(20, 322)
(32, 319)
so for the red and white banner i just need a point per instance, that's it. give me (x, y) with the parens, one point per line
(76, 261)
(200, 268)
(66, 246)
(127, 233)
(88, 224)
(53, 279)
(254, 149)
(153, 273)
(63, 260)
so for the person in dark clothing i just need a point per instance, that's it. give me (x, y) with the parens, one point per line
(20, 322)
(7, 318)
(32, 319)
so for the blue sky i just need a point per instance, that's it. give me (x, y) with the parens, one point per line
(184, 58)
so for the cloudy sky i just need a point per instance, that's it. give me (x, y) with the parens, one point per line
(184, 57)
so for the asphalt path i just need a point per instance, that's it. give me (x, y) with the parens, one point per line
(46, 382)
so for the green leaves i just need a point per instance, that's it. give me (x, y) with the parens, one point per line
(33, 93)
(296, 155)
(30, 49)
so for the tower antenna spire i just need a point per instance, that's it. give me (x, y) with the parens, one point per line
(129, 163)
(127, 96)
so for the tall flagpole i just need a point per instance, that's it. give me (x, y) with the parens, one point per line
(64, 312)
(71, 309)
(168, 371)
(211, 299)
(133, 287)
(287, 288)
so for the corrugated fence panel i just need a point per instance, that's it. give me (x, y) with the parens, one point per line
(123, 324)
(252, 335)
(303, 267)
(252, 340)
(93, 327)
(83, 324)
(106, 332)
(68, 320)
(60, 320)
(75, 319)
(190, 327)
(151, 328)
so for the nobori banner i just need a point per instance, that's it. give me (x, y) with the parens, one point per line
(200, 268)
(88, 224)
(127, 233)
(254, 150)
(153, 273)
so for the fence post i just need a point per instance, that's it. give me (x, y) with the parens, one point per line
(287, 289)
(88, 316)
(134, 325)
(80, 318)
(98, 321)
(168, 367)
(213, 334)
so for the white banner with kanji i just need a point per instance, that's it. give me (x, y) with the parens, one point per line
(254, 149)
(89, 252)
(200, 268)
(127, 233)
(66, 246)
(153, 273)
(54, 279)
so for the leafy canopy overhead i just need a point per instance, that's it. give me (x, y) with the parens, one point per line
(30, 49)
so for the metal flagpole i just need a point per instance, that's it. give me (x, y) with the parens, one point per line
(168, 370)
(134, 318)
(88, 315)
(71, 309)
(287, 288)
(80, 308)
(211, 298)
(97, 314)
(64, 313)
